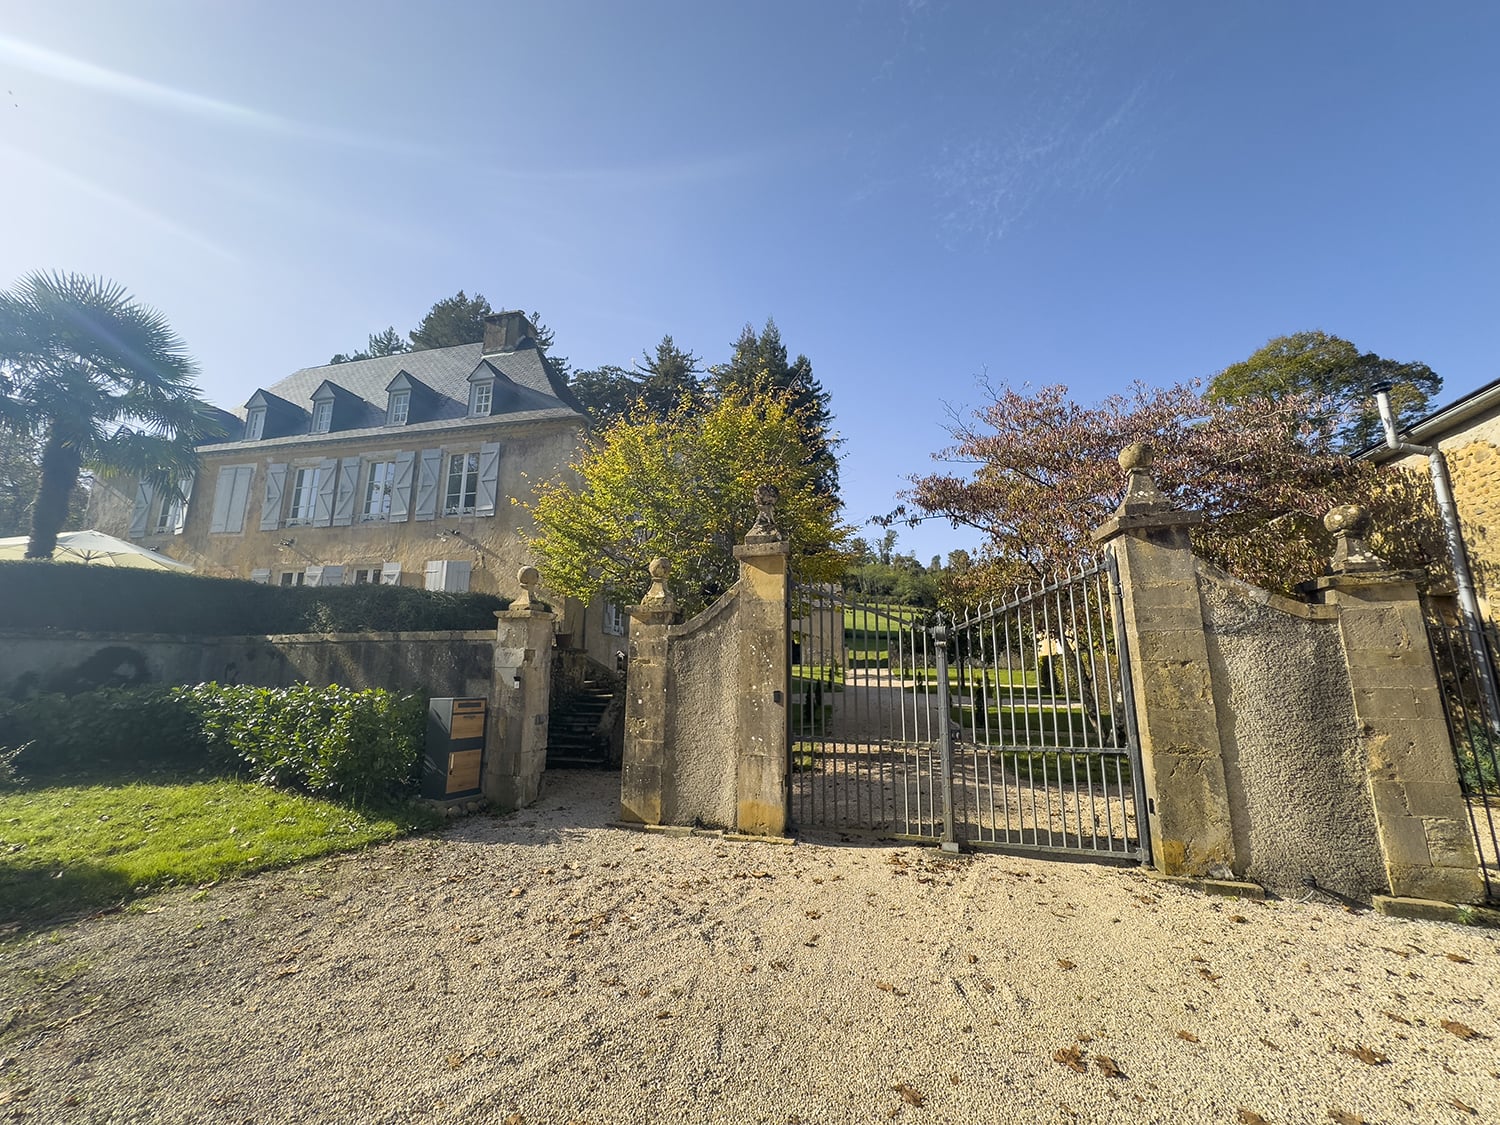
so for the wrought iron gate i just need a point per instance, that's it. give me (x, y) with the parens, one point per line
(1010, 727)
(1473, 728)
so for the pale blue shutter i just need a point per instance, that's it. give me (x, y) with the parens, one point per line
(270, 512)
(240, 479)
(401, 488)
(328, 471)
(429, 476)
(343, 506)
(489, 478)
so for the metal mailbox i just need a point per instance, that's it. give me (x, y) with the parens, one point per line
(454, 760)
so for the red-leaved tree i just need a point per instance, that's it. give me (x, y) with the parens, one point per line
(1042, 472)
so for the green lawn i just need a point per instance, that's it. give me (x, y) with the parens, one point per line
(69, 849)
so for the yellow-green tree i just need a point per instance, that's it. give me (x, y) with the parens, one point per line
(682, 488)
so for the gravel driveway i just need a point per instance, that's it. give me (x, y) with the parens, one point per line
(544, 967)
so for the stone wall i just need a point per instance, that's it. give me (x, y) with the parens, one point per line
(1293, 763)
(706, 700)
(441, 664)
(702, 658)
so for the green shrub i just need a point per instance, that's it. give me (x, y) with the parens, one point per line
(108, 729)
(331, 741)
(74, 598)
(357, 745)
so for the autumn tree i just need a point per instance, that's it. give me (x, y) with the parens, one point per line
(1333, 380)
(1041, 473)
(99, 381)
(681, 488)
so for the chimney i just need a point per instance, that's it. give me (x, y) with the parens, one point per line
(507, 331)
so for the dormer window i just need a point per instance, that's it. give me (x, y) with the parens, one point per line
(481, 397)
(322, 419)
(255, 424)
(400, 408)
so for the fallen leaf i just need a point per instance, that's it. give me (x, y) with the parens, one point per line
(1268, 1043)
(815, 914)
(1071, 1057)
(70, 1100)
(455, 1061)
(1212, 978)
(760, 874)
(812, 940)
(973, 958)
(908, 1095)
(1365, 1055)
(1250, 1117)
(1344, 1117)
(1188, 1036)
(1065, 965)
(516, 892)
(663, 1015)
(1462, 1108)
(1238, 918)
(1458, 958)
(885, 986)
(1398, 1019)
(1462, 1030)
(514, 1119)
(1107, 1067)
(288, 970)
(954, 1079)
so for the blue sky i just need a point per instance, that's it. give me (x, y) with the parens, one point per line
(919, 193)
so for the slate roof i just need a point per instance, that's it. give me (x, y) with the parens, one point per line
(535, 395)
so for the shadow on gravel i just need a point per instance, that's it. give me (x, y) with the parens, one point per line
(31, 894)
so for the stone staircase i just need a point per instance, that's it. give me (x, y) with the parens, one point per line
(577, 734)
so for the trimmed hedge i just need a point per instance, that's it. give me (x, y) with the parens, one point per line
(97, 599)
(357, 745)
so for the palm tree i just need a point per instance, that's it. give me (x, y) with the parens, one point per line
(99, 381)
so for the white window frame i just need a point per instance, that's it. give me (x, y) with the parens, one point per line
(468, 484)
(165, 512)
(400, 408)
(614, 620)
(255, 424)
(322, 416)
(292, 578)
(302, 497)
(382, 475)
(367, 575)
(482, 398)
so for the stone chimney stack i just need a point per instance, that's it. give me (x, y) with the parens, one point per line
(507, 331)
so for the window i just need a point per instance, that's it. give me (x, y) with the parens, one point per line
(304, 497)
(293, 577)
(322, 416)
(480, 398)
(255, 424)
(400, 407)
(366, 575)
(378, 490)
(463, 484)
(614, 619)
(166, 512)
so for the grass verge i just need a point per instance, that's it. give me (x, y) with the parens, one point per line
(73, 849)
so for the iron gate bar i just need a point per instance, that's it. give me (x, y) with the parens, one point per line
(1029, 748)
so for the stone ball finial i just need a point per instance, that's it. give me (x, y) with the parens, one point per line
(659, 568)
(528, 577)
(1353, 519)
(1136, 455)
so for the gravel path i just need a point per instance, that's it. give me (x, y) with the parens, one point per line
(544, 967)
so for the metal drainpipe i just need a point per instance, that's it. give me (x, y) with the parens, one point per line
(1468, 602)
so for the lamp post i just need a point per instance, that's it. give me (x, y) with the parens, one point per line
(1458, 556)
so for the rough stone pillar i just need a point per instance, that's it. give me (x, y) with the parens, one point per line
(761, 780)
(520, 697)
(643, 769)
(1187, 798)
(1420, 813)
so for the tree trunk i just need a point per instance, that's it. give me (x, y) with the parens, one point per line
(61, 463)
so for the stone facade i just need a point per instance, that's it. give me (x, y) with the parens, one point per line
(399, 469)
